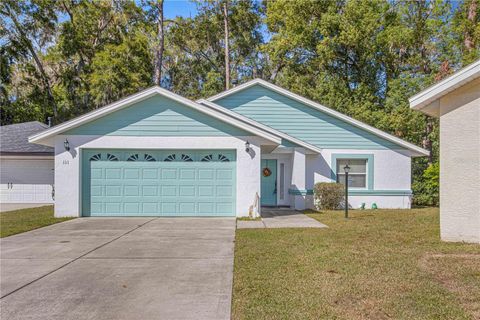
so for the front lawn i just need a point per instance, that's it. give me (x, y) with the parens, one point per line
(18, 221)
(382, 264)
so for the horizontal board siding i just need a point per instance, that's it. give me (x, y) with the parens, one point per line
(157, 116)
(301, 121)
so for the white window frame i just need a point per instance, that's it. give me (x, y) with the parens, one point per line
(339, 171)
(370, 157)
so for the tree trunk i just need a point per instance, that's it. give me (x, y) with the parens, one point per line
(227, 49)
(159, 47)
(38, 63)
(427, 140)
(471, 16)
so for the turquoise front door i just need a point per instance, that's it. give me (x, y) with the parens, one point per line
(158, 183)
(268, 182)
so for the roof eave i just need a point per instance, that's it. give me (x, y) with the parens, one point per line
(427, 100)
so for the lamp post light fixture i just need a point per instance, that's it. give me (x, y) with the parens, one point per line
(247, 147)
(66, 145)
(347, 170)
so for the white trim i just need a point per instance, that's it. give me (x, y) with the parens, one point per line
(142, 96)
(426, 97)
(259, 125)
(26, 157)
(417, 150)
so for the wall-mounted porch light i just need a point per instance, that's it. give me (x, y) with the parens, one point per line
(247, 147)
(66, 145)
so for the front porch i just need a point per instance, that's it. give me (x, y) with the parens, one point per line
(283, 179)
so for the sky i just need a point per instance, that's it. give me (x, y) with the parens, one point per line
(175, 8)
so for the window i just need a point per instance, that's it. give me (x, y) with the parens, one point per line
(96, 157)
(186, 157)
(220, 157)
(111, 157)
(170, 158)
(136, 157)
(357, 177)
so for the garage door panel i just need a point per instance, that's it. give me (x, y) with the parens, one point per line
(149, 207)
(149, 191)
(206, 174)
(224, 207)
(129, 191)
(169, 174)
(168, 208)
(150, 174)
(130, 173)
(193, 187)
(224, 174)
(205, 191)
(224, 191)
(186, 207)
(186, 191)
(100, 207)
(131, 208)
(168, 191)
(187, 174)
(110, 191)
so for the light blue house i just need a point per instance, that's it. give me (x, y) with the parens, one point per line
(156, 153)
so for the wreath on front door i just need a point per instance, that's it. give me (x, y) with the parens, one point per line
(267, 172)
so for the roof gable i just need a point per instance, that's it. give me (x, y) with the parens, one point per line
(165, 106)
(157, 116)
(305, 119)
(287, 140)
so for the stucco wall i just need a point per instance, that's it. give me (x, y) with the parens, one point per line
(68, 164)
(460, 164)
(391, 171)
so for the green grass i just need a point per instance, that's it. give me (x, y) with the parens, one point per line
(249, 219)
(382, 264)
(18, 221)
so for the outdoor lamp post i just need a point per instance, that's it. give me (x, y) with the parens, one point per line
(347, 170)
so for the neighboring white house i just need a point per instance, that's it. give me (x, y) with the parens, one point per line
(156, 153)
(456, 101)
(26, 169)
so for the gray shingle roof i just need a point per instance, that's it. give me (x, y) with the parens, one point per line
(14, 138)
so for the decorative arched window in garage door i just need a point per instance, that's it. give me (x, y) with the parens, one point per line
(108, 157)
(210, 157)
(141, 157)
(162, 155)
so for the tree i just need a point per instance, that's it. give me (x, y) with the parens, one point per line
(155, 10)
(226, 41)
(197, 59)
(121, 69)
(466, 28)
(28, 28)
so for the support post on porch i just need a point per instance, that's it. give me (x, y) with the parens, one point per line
(298, 178)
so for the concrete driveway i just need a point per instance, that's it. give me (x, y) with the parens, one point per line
(120, 268)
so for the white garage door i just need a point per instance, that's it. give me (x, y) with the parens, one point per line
(26, 181)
